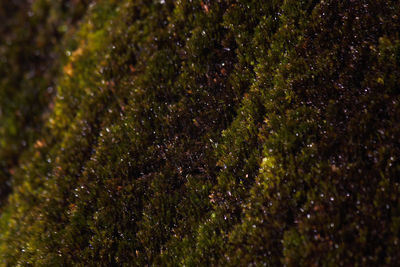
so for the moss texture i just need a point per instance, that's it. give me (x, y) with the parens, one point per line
(200, 133)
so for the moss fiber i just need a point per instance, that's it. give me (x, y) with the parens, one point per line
(199, 133)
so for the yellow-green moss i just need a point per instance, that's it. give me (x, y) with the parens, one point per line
(199, 133)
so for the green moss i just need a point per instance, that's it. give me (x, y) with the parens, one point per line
(199, 133)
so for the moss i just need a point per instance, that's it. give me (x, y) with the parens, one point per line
(199, 133)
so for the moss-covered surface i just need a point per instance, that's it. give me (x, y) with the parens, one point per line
(200, 133)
